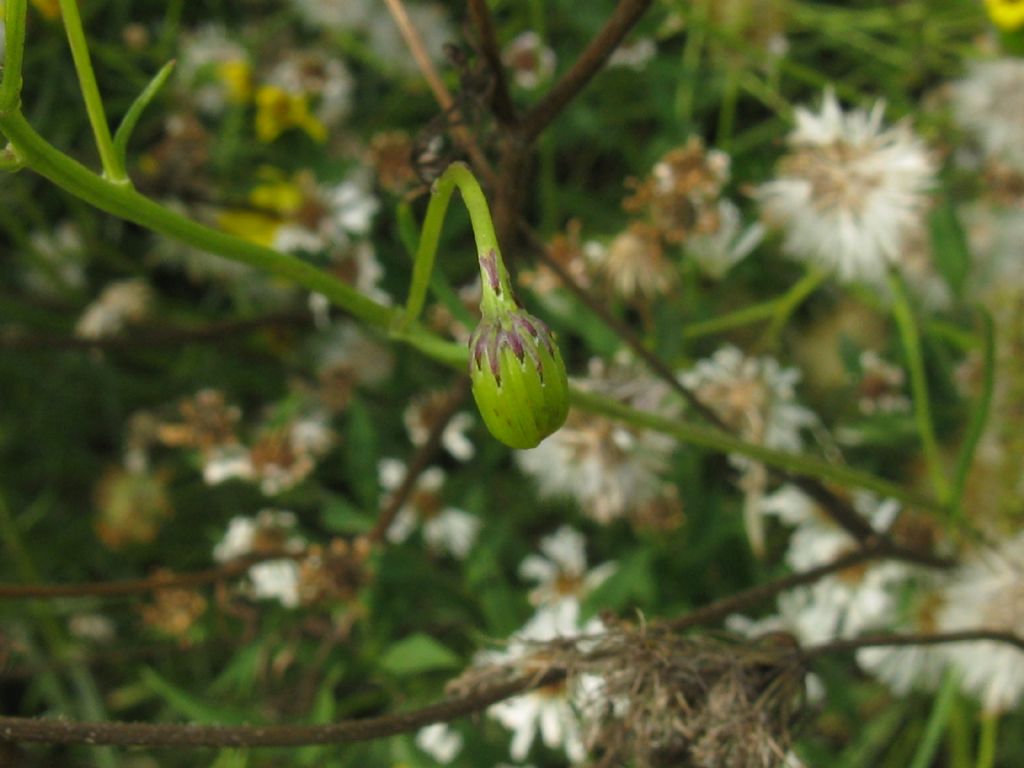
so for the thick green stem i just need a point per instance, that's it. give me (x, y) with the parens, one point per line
(113, 168)
(125, 202)
(716, 440)
(14, 26)
(121, 201)
(904, 316)
(457, 175)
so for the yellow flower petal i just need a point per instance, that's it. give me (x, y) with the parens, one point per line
(254, 227)
(1008, 15)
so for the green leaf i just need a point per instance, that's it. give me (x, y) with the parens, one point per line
(361, 454)
(231, 758)
(186, 704)
(340, 516)
(131, 117)
(418, 653)
(949, 244)
(632, 584)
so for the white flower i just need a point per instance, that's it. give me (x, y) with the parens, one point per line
(227, 462)
(120, 303)
(994, 234)
(549, 712)
(94, 627)
(243, 534)
(717, 252)
(561, 571)
(988, 593)
(269, 530)
(206, 56)
(529, 60)
(445, 529)
(850, 194)
(337, 15)
(755, 396)
(844, 604)
(60, 255)
(989, 103)
(276, 580)
(609, 467)
(346, 346)
(322, 77)
(422, 414)
(430, 20)
(440, 741)
(881, 385)
(634, 54)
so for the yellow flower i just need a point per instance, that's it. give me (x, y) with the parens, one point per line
(255, 227)
(278, 111)
(235, 75)
(278, 194)
(1008, 15)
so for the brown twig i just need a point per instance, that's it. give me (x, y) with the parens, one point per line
(144, 336)
(163, 736)
(414, 42)
(419, 462)
(740, 601)
(130, 587)
(900, 639)
(626, 14)
(501, 101)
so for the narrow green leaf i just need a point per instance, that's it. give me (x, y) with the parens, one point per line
(936, 721)
(949, 244)
(186, 704)
(979, 416)
(131, 117)
(418, 653)
(361, 454)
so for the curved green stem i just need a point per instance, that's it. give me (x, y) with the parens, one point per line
(122, 201)
(787, 304)
(113, 168)
(457, 175)
(904, 316)
(14, 28)
(755, 313)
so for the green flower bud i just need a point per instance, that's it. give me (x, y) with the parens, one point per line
(519, 379)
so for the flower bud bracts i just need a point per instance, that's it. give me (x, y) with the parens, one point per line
(519, 379)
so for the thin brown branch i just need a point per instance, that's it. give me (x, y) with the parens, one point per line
(130, 587)
(625, 16)
(748, 598)
(420, 461)
(883, 639)
(414, 42)
(501, 102)
(146, 336)
(164, 736)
